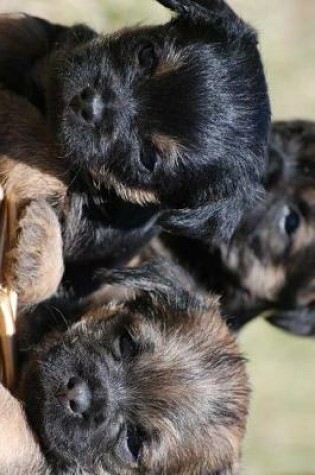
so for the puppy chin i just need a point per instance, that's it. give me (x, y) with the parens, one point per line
(68, 414)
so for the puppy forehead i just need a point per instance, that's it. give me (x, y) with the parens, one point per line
(171, 54)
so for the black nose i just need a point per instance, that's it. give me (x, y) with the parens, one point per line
(77, 396)
(89, 106)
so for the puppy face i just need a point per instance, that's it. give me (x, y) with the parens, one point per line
(271, 242)
(156, 112)
(149, 385)
(175, 115)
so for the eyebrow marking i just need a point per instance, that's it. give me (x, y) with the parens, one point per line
(167, 67)
(166, 144)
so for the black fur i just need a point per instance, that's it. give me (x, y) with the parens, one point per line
(197, 81)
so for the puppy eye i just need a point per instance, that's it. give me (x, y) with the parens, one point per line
(147, 57)
(290, 222)
(148, 158)
(127, 346)
(134, 441)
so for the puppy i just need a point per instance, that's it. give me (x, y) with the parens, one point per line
(36, 189)
(52, 229)
(172, 117)
(269, 264)
(141, 378)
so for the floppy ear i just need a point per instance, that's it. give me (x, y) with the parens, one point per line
(211, 223)
(299, 322)
(156, 276)
(23, 40)
(216, 12)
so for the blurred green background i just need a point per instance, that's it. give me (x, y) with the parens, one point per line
(281, 432)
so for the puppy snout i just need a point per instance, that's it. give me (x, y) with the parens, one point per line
(89, 106)
(77, 396)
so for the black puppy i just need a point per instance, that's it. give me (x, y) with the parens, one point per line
(142, 378)
(269, 264)
(172, 117)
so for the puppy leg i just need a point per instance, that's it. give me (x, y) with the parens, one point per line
(19, 452)
(35, 265)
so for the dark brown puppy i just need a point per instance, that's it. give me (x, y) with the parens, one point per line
(269, 264)
(34, 181)
(150, 383)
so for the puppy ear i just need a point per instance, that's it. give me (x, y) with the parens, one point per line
(23, 40)
(299, 322)
(157, 276)
(25, 45)
(214, 222)
(216, 12)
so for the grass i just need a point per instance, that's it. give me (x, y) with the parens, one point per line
(281, 431)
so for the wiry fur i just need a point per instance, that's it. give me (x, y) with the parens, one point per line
(184, 114)
(184, 386)
(269, 264)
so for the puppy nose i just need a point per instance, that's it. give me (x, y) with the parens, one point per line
(77, 396)
(88, 105)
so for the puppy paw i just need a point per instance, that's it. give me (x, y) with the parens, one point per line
(35, 265)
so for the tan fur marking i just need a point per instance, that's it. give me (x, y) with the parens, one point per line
(308, 195)
(134, 195)
(305, 235)
(32, 176)
(265, 281)
(19, 451)
(168, 146)
(35, 264)
(30, 169)
(167, 67)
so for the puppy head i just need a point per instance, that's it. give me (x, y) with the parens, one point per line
(271, 241)
(176, 114)
(151, 383)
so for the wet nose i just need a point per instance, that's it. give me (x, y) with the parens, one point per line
(77, 396)
(88, 106)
